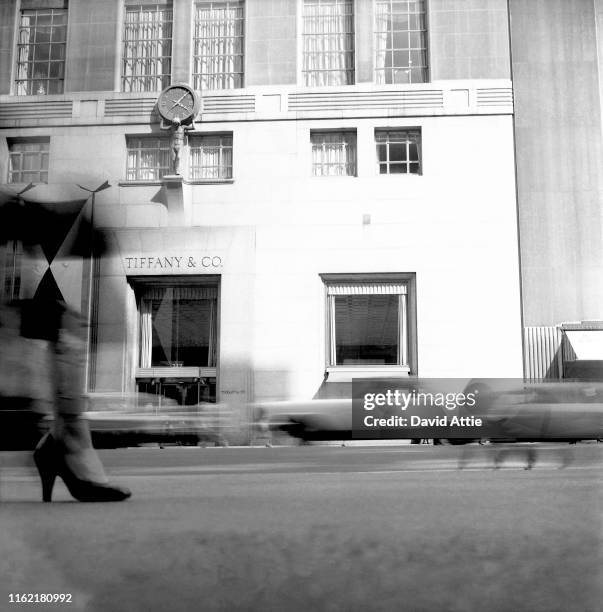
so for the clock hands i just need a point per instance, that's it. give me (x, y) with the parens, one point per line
(178, 102)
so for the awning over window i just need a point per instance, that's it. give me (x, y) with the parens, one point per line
(180, 293)
(366, 288)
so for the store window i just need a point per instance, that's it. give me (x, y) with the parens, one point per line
(367, 322)
(147, 47)
(400, 42)
(218, 44)
(28, 160)
(41, 46)
(328, 42)
(178, 328)
(210, 157)
(333, 153)
(162, 394)
(148, 158)
(178, 325)
(399, 151)
(11, 271)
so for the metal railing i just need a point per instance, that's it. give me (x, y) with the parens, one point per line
(543, 359)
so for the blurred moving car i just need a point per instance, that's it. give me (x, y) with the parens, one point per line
(120, 420)
(134, 420)
(565, 411)
(319, 419)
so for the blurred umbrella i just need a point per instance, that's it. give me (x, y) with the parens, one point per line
(47, 224)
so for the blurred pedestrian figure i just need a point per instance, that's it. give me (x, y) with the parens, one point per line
(262, 426)
(42, 349)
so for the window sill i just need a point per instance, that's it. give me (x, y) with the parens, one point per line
(209, 181)
(176, 372)
(334, 176)
(348, 373)
(400, 174)
(159, 182)
(154, 183)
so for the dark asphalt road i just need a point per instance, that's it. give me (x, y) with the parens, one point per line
(313, 528)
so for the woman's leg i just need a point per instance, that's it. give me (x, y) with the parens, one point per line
(70, 426)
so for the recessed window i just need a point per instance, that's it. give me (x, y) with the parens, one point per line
(218, 43)
(328, 42)
(398, 151)
(28, 160)
(367, 323)
(147, 47)
(210, 157)
(178, 326)
(178, 341)
(41, 52)
(400, 42)
(333, 153)
(148, 158)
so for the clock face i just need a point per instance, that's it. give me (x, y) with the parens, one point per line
(176, 102)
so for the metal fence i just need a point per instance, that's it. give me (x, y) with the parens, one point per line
(543, 353)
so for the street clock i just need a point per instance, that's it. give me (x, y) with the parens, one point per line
(178, 104)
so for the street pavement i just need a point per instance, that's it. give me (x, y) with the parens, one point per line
(314, 528)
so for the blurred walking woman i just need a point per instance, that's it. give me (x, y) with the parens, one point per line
(42, 345)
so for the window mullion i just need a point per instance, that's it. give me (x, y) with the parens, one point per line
(331, 331)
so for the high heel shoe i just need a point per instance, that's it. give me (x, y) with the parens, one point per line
(49, 458)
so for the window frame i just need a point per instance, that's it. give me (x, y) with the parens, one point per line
(138, 169)
(24, 86)
(158, 376)
(302, 72)
(353, 144)
(426, 49)
(199, 137)
(197, 77)
(407, 335)
(142, 295)
(414, 132)
(163, 80)
(40, 154)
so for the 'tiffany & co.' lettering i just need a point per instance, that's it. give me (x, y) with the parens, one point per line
(172, 262)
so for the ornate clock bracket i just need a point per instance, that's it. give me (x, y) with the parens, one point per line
(177, 111)
(177, 129)
(178, 105)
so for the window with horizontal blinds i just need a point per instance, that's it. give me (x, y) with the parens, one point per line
(367, 323)
(190, 293)
(366, 329)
